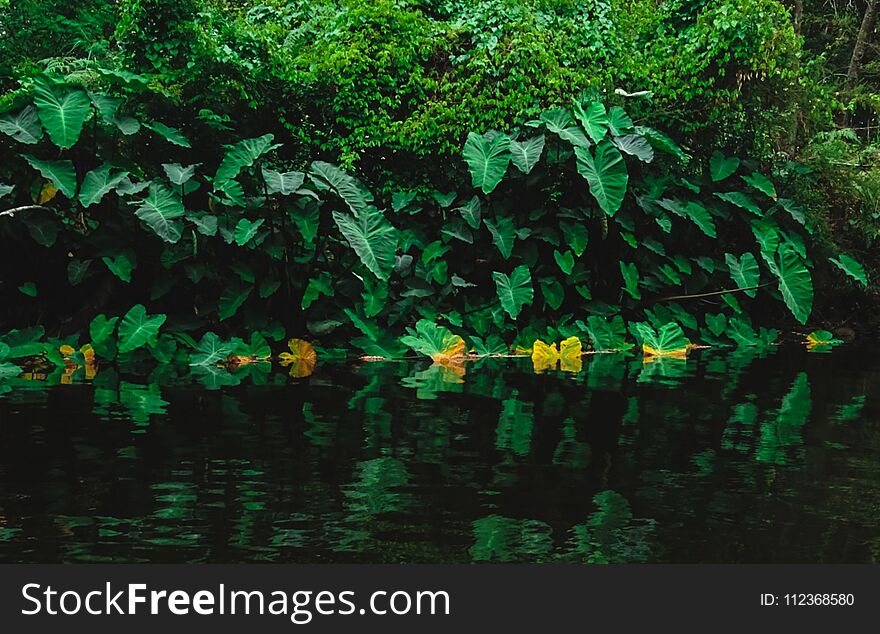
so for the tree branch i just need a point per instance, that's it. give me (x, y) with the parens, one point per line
(12, 212)
(722, 292)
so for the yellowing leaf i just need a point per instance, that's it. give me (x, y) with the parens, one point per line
(67, 350)
(570, 355)
(453, 353)
(47, 193)
(522, 351)
(544, 357)
(648, 351)
(302, 358)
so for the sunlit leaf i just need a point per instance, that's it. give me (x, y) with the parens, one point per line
(544, 357)
(570, 351)
(302, 358)
(435, 341)
(138, 329)
(668, 341)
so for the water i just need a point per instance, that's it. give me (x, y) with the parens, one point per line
(725, 457)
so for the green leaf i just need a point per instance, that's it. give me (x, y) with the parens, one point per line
(565, 261)
(503, 234)
(206, 224)
(240, 155)
(470, 211)
(525, 154)
(432, 340)
(744, 271)
(98, 183)
(594, 118)
(61, 173)
(178, 174)
(606, 175)
(327, 176)
(607, 334)
(5, 189)
(553, 292)
(693, 211)
(721, 167)
(62, 111)
(619, 123)
(742, 201)
(138, 329)
(796, 212)
(630, 279)
(795, 282)
(232, 297)
(635, 145)
(558, 121)
(487, 158)
(576, 236)
(101, 328)
(851, 267)
(121, 266)
(669, 339)
(43, 228)
(108, 108)
(493, 344)
(372, 237)
(284, 183)
(245, 230)
(762, 184)
(515, 291)
(24, 127)
(160, 210)
(172, 135)
(716, 324)
(210, 351)
(76, 270)
(29, 289)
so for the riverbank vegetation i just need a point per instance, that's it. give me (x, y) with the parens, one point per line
(204, 180)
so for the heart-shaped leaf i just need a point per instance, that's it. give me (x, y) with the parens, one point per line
(851, 267)
(329, 177)
(503, 232)
(245, 230)
(372, 237)
(593, 118)
(61, 173)
(138, 329)
(795, 282)
(565, 261)
(63, 111)
(605, 173)
(98, 183)
(514, 291)
(487, 157)
(284, 183)
(744, 271)
(525, 154)
(24, 127)
(721, 167)
(160, 210)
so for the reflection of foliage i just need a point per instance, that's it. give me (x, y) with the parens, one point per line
(610, 535)
(498, 538)
(514, 431)
(784, 430)
(437, 378)
(570, 452)
(374, 490)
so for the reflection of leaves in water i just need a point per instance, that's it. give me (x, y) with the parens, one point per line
(321, 432)
(851, 411)
(606, 371)
(610, 535)
(663, 370)
(498, 538)
(704, 461)
(514, 431)
(739, 431)
(570, 452)
(214, 377)
(141, 401)
(437, 378)
(373, 490)
(784, 430)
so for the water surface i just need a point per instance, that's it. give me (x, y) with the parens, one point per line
(745, 456)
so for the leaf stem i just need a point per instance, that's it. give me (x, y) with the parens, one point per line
(12, 212)
(721, 292)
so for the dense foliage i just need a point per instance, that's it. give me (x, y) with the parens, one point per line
(438, 176)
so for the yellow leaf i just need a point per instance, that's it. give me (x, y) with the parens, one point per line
(302, 358)
(570, 355)
(544, 357)
(522, 351)
(67, 350)
(47, 193)
(648, 351)
(88, 354)
(453, 353)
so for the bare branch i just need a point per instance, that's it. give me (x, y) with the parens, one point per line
(12, 212)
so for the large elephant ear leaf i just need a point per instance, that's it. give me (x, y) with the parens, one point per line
(744, 271)
(138, 329)
(240, 155)
(98, 183)
(795, 282)
(525, 154)
(487, 157)
(24, 127)
(605, 173)
(61, 173)
(514, 291)
(63, 111)
(594, 118)
(851, 267)
(327, 176)
(372, 237)
(161, 211)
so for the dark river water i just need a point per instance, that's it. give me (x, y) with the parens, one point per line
(727, 457)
